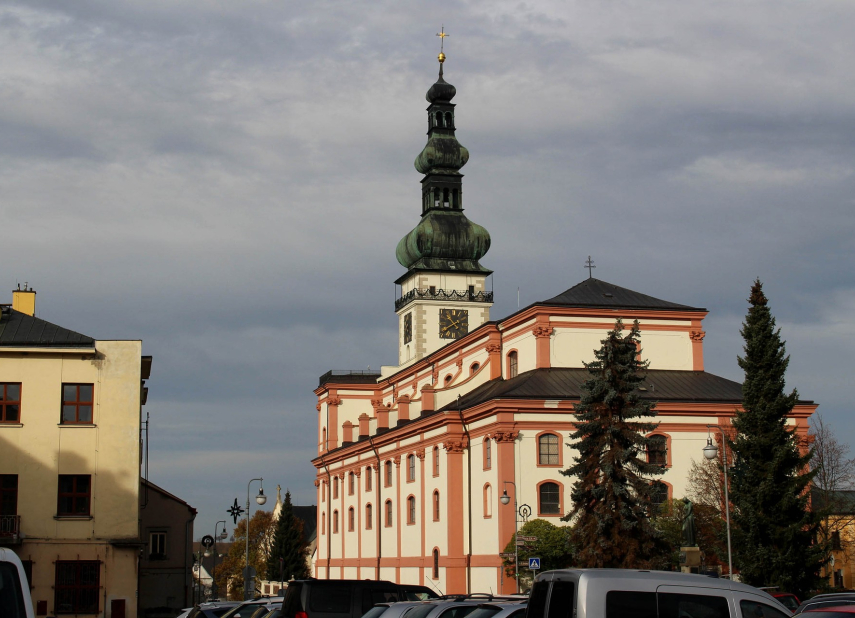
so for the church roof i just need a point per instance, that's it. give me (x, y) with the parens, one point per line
(595, 293)
(20, 329)
(566, 383)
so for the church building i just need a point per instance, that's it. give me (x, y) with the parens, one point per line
(412, 461)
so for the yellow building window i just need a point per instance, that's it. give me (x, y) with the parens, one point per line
(77, 402)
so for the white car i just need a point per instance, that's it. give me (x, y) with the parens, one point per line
(15, 601)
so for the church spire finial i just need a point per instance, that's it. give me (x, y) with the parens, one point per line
(441, 34)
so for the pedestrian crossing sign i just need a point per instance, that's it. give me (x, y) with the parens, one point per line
(534, 563)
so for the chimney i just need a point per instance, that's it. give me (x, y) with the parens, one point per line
(24, 300)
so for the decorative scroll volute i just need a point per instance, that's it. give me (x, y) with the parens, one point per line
(697, 335)
(505, 436)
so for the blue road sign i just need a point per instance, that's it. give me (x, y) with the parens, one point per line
(534, 563)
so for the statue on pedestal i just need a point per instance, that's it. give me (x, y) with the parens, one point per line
(688, 524)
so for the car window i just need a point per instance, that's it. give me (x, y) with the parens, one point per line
(418, 595)
(330, 599)
(537, 600)
(620, 603)
(218, 611)
(755, 609)
(11, 597)
(822, 604)
(371, 597)
(517, 614)
(673, 605)
(561, 599)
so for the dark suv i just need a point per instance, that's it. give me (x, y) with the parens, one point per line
(343, 598)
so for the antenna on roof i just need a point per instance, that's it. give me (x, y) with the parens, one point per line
(589, 264)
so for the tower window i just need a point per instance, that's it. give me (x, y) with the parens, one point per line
(513, 364)
(454, 201)
(439, 122)
(445, 203)
(449, 121)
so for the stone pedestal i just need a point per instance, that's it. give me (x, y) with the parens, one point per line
(690, 559)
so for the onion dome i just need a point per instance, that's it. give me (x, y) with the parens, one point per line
(444, 241)
(441, 91)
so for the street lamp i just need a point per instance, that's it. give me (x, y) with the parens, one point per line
(260, 499)
(710, 452)
(506, 499)
(214, 568)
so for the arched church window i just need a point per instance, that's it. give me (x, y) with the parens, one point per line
(657, 450)
(368, 516)
(659, 493)
(550, 499)
(454, 202)
(439, 122)
(436, 564)
(388, 513)
(388, 474)
(547, 450)
(513, 366)
(445, 203)
(449, 120)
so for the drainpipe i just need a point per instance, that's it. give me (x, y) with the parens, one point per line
(469, 491)
(379, 507)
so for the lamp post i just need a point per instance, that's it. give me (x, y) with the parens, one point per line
(710, 452)
(214, 568)
(506, 499)
(260, 499)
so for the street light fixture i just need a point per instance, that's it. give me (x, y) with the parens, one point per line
(260, 499)
(221, 537)
(506, 499)
(710, 452)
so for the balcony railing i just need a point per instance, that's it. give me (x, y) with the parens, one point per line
(10, 526)
(436, 294)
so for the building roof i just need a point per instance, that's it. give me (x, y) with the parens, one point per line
(566, 383)
(309, 516)
(20, 329)
(838, 502)
(601, 294)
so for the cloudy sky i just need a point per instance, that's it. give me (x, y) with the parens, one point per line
(227, 181)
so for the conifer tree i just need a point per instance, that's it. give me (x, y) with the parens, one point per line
(613, 491)
(775, 530)
(289, 545)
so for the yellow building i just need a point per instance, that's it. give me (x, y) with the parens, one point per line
(70, 462)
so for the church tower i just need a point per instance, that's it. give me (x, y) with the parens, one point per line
(443, 292)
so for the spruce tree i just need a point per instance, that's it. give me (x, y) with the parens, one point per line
(613, 491)
(289, 545)
(774, 528)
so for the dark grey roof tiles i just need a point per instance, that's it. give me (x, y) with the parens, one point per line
(596, 293)
(566, 383)
(20, 330)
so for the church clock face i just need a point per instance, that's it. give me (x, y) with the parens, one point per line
(408, 328)
(453, 323)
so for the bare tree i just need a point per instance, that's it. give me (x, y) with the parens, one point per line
(832, 494)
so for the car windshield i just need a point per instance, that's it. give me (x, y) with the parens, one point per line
(789, 602)
(247, 608)
(419, 611)
(485, 612)
(375, 611)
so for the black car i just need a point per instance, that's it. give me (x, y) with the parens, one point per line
(344, 598)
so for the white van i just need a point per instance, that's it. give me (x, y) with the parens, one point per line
(15, 601)
(624, 593)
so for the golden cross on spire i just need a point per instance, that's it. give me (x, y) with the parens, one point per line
(441, 34)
